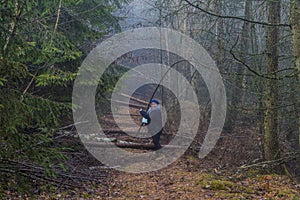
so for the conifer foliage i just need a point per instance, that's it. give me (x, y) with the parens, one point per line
(42, 45)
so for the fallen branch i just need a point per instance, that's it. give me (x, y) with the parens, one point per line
(269, 163)
(133, 98)
(132, 105)
(125, 144)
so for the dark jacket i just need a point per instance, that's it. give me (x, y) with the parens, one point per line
(153, 115)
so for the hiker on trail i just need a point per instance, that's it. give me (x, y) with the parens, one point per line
(153, 121)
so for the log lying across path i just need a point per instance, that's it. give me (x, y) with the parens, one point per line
(138, 103)
(120, 144)
(132, 105)
(126, 115)
(125, 144)
(107, 131)
(134, 99)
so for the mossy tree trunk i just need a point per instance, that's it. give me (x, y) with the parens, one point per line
(271, 142)
(295, 23)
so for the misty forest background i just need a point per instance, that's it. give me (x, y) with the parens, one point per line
(255, 44)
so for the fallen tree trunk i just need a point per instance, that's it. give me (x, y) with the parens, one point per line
(133, 98)
(125, 144)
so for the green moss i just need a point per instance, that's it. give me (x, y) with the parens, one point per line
(288, 193)
(226, 186)
(205, 178)
(86, 195)
(234, 196)
(222, 185)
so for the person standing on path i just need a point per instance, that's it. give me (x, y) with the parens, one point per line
(154, 122)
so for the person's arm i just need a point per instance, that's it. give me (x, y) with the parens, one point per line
(145, 115)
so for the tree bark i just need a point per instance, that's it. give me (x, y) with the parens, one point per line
(271, 142)
(220, 32)
(239, 78)
(295, 23)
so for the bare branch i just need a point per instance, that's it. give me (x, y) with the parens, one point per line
(267, 76)
(234, 17)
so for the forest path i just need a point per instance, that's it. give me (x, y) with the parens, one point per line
(217, 176)
(189, 178)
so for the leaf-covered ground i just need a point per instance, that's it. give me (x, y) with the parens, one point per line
(183, 179)
(187, 178)
(218, 176)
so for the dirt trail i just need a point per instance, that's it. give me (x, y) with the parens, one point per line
(185, 180)
(218, 176)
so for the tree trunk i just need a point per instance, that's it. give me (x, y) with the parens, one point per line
(271, 142)
(239, 78)
(220, 32)
(295, 23)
